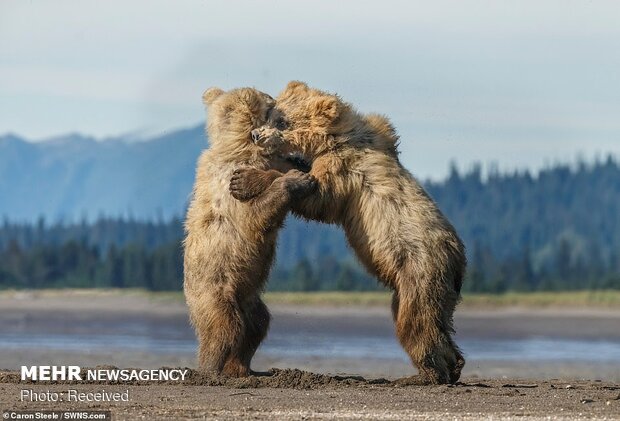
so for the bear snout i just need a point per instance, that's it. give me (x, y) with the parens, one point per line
(255, 135)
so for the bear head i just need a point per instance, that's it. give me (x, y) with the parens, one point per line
(315, 111)
(232, 115)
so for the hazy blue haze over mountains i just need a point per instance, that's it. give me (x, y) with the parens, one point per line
(567, 214)
(74, 176)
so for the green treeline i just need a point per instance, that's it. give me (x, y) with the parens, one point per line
(78, 265)
(557, 231)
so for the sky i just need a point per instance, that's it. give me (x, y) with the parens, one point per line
(517, 85)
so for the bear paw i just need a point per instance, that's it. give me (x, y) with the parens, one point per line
(248, 183)
(299, 184)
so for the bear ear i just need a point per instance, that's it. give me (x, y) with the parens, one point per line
(326, 109)
(294, 87)
(211, 95)
(297, 84)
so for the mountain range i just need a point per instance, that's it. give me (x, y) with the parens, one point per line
(75, 176)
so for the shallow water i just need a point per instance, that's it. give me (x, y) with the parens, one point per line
(532, 349)
(307, 338)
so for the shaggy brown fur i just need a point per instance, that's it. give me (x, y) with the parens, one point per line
(229, 246)
(396, 229)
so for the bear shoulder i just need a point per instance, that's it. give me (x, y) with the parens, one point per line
(383, 130)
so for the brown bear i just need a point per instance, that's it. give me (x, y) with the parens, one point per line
(395, 228)
(230, 245)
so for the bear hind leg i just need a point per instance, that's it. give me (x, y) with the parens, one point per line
(256, 325)
(218, 329)
(423, 333)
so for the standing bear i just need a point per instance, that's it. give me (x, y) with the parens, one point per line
(395, 228)
(229, 245)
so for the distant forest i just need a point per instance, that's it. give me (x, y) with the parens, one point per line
(559, 230)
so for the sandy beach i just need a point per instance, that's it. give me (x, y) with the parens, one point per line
(46, 328)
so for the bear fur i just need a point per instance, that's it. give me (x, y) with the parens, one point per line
(230, 245)
(395, 228)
